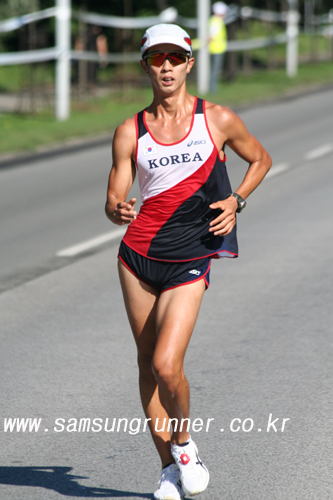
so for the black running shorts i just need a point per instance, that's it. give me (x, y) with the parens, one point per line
(163, 275)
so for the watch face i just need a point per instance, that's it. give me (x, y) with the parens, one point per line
(241, 204)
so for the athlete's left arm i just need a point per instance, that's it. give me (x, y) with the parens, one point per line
(237, 137)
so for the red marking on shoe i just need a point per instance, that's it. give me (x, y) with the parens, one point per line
(184, 459)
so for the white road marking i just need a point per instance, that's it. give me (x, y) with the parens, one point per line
(92, 243)
(280, 167)
(319, 152)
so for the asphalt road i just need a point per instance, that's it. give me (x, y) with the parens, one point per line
(261, 350)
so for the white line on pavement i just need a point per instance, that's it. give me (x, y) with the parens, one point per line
(319, 152)
(92, 243)
(280, 167)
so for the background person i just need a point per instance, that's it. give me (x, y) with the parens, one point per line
(96, 42)
(93, 41)
(217, 42)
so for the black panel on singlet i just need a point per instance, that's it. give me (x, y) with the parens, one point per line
(199, 108)
(141, 126)
(185, 235)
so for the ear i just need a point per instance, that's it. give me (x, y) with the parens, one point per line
(144, 66)
(189, 65)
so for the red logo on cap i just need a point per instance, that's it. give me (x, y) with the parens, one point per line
(188, 40)
(143, 41)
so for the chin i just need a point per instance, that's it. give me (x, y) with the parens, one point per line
(170, 88)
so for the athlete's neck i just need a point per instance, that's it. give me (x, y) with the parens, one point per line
(172, 106)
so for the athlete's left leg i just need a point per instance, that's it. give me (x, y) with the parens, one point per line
(176, 315)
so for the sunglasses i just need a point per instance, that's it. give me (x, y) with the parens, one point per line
(158, 58)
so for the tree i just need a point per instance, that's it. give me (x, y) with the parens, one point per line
(162, 4)
(13, 8)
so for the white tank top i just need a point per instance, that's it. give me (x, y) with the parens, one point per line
(161, 166)
(178, 182)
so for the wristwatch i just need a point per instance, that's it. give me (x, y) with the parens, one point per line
(241, 202)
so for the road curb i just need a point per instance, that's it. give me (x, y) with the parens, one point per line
(70, 146)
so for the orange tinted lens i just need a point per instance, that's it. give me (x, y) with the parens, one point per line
(158, 59)
(176, 59)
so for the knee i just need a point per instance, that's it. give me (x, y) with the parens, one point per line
(167, 374)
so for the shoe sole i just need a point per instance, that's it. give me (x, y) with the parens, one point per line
(169, 497)
(193, 493)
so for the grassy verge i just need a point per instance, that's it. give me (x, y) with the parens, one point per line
(263, 85)
(310, 47)
(25, 133)
(15, 78)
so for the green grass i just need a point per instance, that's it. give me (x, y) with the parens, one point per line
(15, 78)
(23, 132)
(263, 85)
(313, 46)
(308, 47)
(96, 116)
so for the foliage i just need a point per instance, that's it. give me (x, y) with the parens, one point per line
(13, 8)
(127, 40)
(9, 8)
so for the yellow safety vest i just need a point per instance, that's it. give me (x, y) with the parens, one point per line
(218, 44)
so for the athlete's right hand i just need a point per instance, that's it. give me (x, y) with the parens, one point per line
(124, 213)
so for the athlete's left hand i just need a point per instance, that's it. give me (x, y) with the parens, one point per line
(223, 224)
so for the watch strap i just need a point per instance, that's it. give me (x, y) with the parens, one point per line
(241, 202)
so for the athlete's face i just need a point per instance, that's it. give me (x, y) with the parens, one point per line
(167, 74)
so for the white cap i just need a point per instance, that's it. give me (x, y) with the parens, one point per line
(220, 8)
(166, 33)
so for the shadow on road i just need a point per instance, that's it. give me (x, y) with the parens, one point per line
(59, 480)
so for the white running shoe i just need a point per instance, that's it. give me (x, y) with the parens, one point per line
(193, 473)
(170, 487)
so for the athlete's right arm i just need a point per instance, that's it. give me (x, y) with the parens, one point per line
(122, 175)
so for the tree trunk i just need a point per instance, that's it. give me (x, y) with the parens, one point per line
(161, 4)
(231, 66)
(247, 65)
(270, 32)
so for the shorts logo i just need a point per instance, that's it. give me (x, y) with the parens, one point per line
(149, 150)
(194, 271)
(195, 143)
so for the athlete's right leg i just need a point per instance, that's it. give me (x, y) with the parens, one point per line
(140, 302)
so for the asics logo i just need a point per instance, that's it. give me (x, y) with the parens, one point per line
(194, 271)
(195, 143)
(184, 458)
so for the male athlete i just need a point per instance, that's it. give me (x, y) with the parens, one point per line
(176, 145)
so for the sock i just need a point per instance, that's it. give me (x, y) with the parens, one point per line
(183, 444)
(167, 465)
